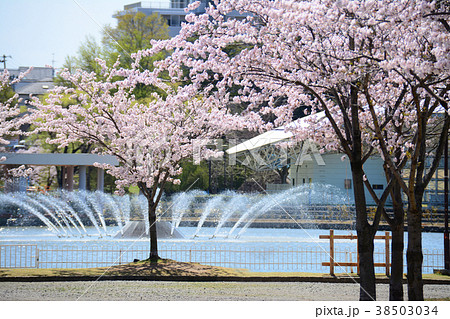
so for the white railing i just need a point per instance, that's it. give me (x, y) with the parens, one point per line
(19, 256)
(294, 259)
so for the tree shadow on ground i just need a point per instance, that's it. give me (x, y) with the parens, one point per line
(167, 267)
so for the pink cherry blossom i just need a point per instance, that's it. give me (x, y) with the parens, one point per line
(8, 109)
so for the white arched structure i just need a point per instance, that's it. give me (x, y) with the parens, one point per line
(68, 161)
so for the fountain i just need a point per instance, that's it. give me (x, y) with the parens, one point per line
(268, 227)
(23, 205)
(138, 229)
(262, 207)
(238, 203)
(181, 204)
(209, 207)
(81, 205)
(241, 211)
(69, 213)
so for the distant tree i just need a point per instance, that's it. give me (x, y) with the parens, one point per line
(85, 59)
(7, 94)
(192, 176)
(88, 51)
(134, 32)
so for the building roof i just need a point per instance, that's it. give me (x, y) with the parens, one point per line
(280, 134)
(271, 137)
(37, 81)
(35, 74)
(57, 159)
(35, 88)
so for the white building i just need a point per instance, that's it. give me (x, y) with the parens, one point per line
(171, 10)
(307, 165)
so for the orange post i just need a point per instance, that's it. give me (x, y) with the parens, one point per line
(387, 252)
(357, 257)
(386, 264)
(331, 252)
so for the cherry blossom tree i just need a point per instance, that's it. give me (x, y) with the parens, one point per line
(367, 66)
(149, 139)
(417, 125)
(10, 120)
(412, 126)
(8, 107)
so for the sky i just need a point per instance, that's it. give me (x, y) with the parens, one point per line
(31, 31)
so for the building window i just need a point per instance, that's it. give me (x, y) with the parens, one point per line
(378, 186)
(175, 20)
(167, 19)
(347, 183)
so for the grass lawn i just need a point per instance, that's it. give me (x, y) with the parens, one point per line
(166, 267)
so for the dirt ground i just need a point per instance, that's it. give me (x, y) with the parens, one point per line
(195, 291)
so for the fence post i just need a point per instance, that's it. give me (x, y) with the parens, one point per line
(351, 261)
(357, 256)
(331, 252)
(388, 253)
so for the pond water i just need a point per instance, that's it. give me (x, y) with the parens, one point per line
(252, 237)
(258, 249)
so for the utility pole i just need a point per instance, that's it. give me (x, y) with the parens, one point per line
(53, 64)
(4, 60)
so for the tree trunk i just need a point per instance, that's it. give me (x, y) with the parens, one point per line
(59, 176)
(88, 178)
(364, 230)
(367, 290)
(396, 280)
(414, 255)
(283, 173)
(365, 237)
(153, 235)
(397, 245)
